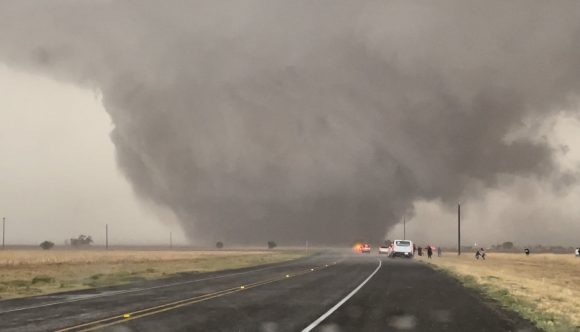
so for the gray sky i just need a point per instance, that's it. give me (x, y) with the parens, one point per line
(58, 176)
(521, 209)
(298, 120)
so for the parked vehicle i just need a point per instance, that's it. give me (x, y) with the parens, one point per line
(402, 248)
(385, 250)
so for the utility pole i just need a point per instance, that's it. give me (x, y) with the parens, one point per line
(3, 232)
(458, 229)
(170, 240)
(404, 228)
(107, 236)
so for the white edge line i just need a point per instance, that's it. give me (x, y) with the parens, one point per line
(339, 304)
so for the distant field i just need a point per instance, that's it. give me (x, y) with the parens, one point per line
(33, 272)
(544, 288)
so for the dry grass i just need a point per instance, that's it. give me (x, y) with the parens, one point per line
(543, 287)
(32, 272)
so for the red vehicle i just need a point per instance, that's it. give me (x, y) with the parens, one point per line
(365, 248)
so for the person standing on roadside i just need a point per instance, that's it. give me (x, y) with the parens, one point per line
(439, 251)
(429, 251)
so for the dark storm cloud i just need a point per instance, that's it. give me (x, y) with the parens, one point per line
(308, 120)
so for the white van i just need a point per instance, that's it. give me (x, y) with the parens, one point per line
(402, 248)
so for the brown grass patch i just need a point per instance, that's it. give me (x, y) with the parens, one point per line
(547, 286)
(31, 272)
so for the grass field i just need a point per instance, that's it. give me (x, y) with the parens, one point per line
(34, 272)
(544, 288)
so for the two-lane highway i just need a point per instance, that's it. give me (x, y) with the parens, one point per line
(328, 292)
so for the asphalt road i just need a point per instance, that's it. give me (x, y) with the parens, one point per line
(328, 292)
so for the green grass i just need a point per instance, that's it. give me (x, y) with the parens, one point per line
(24, 287)
(117, 278)
(526, 309)
(17, 283)
(42, 279)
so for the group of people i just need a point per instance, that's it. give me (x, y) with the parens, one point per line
(428, 249)
(480, 253)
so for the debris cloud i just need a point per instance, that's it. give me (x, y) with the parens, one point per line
(309, 120)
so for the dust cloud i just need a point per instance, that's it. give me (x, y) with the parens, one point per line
(311, 120)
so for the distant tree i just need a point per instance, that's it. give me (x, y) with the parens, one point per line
(82, 240)
(47, 245)
(507, 245)
(272, 245)
(219, 244)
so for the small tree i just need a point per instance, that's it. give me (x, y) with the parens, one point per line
(507, 245)
(82, 240)
(272, 245)
(219, 244)
(47, 245)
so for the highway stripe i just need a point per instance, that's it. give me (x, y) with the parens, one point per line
(320, 319)
(149, 313)
(119, 319)
(98, 324)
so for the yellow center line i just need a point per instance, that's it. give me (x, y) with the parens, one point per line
(199, 297)
(119, 319)
(172, 307)
(143, 310)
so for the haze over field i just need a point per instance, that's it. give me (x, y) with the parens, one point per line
(327, 121)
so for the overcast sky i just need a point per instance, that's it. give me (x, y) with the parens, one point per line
(58, 175)
(325, 121)
(79, 188)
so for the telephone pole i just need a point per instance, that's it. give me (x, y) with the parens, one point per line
(404, 228)
(170, 240)
(3, 232)
(458, 229)
(107, 236)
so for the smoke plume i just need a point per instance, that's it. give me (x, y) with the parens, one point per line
(309, 120)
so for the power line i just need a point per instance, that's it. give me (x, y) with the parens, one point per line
(404, 228)
(458, 229)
